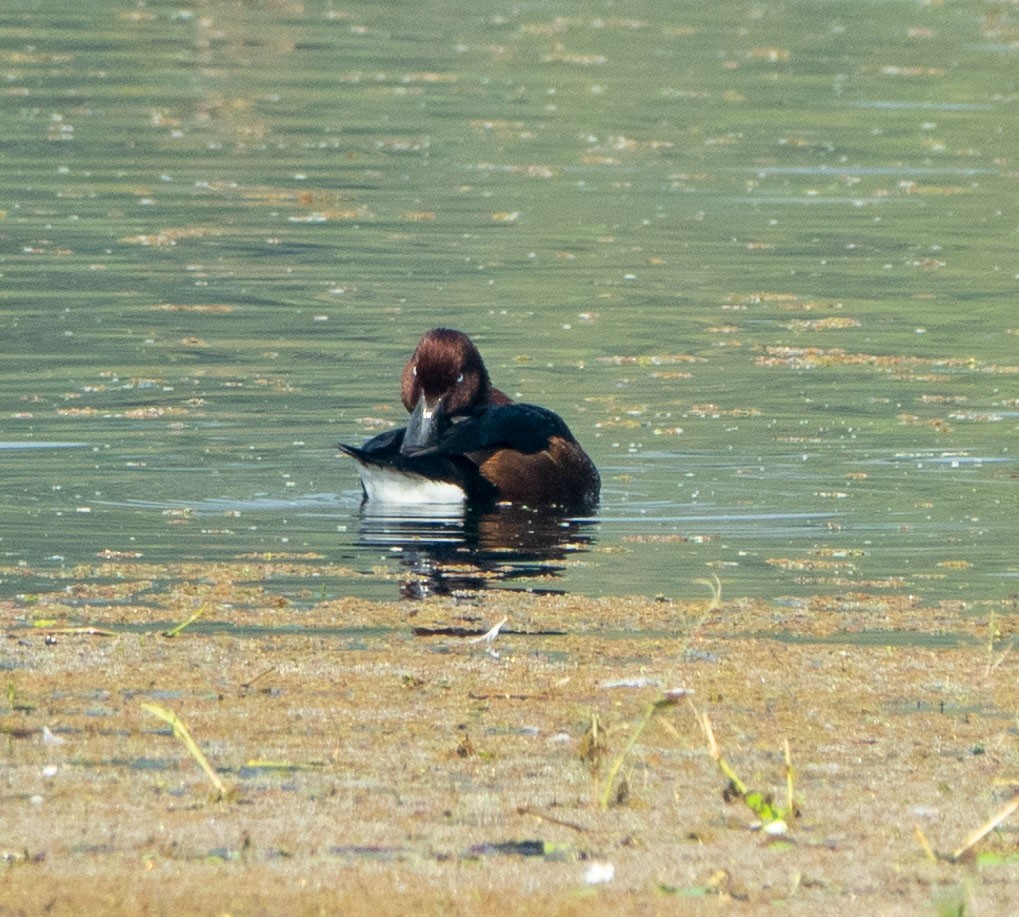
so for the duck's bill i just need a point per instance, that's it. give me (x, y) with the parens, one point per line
(427, 421)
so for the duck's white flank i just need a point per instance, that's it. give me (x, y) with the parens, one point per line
(387, 485)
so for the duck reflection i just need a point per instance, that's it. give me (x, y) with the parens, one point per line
(453, 551)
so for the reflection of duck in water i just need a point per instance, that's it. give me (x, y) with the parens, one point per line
(468, 442)
(467, 552)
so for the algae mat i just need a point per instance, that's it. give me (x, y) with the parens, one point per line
(379, 757)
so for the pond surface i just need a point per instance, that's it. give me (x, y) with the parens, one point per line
(762, 258)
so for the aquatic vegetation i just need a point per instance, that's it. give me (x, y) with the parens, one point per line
(610, 789)
(773, 818)
(593, 747)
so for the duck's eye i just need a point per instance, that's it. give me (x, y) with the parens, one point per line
(460, 378)
(414, 370)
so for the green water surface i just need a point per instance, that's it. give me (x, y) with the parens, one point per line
(761, 256)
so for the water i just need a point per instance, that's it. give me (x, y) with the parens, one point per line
(762, 259)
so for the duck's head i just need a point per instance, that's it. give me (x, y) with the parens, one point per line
(444, 379)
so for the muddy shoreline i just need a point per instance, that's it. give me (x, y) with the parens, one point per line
(380, 758)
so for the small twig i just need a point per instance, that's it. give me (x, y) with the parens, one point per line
(247, 684)
(490, 635)
(988, 826)
(573, 826)
(993, 663)
(715, 585)
(267, 765)
(182, 733)
(79, 631)
(716, 754)
(175, 631)
(790, 803)
(925, 844)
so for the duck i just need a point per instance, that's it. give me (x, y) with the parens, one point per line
(468, 443)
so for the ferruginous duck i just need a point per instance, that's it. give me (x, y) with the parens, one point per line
(467, 442)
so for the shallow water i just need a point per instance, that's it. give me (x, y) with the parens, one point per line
(763, 263)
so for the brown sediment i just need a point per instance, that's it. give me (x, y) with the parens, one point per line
(373, 770)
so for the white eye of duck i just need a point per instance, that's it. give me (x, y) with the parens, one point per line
(414, 370)
(460, 378)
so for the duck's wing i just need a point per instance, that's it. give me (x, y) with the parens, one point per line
(524, 428)
(528, 455)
